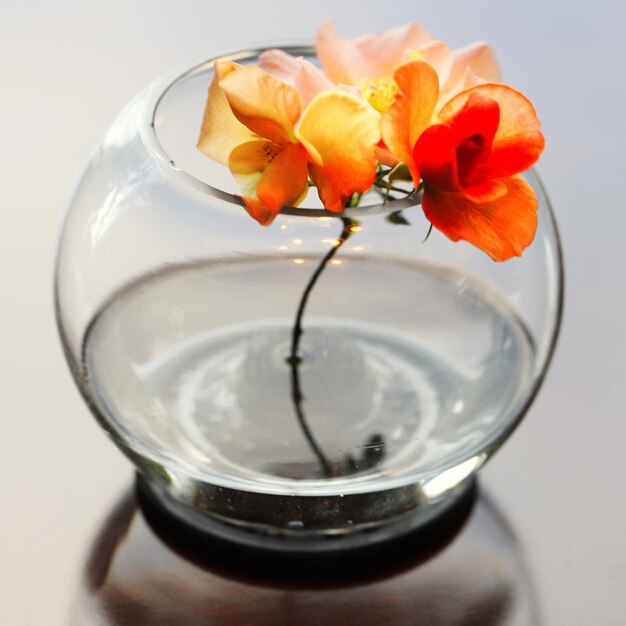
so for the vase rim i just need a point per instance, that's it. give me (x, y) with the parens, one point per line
(149, 134)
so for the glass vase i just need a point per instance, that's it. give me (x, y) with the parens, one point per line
(176, 310)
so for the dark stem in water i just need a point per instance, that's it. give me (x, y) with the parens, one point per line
(294, 358)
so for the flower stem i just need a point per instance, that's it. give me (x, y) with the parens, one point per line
(294, 359)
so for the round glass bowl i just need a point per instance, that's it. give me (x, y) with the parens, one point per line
(176, 311)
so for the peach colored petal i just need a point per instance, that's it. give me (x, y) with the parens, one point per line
(259, 211)
(310, 81)
(357, 92)
(371, 56)
(249, 160)
(264, 104)
(221, 131)
(502, 228)
(279, 64)
(271, 176)
(437, 55)
(342, 133)
(518, 141)
(469, 80)
(480, 58)
(411, 111)
(385, 157)
(285, 180)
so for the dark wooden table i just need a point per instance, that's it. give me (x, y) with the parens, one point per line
(468, 569)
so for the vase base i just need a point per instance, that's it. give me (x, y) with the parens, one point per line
(180, 520)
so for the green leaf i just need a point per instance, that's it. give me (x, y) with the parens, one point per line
(397, 218)
(400, 172)
(354, 200)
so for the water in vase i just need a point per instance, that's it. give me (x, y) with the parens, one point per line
(406, 369)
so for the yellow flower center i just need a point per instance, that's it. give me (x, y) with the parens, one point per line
(379, 92)
(417, 55)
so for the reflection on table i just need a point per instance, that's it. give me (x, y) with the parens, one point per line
(475, 577)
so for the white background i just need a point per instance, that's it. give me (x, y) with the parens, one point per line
(67, 67)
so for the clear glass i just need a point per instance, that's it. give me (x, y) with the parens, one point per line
(176, 311)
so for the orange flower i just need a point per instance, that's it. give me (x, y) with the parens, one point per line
(368, 63)
(256, 124)
(470, 164)
(465, 139)
(411, 112)
(469, 160)
(371, 61)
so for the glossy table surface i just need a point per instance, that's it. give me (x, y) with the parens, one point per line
(544, 542)
(467, 569)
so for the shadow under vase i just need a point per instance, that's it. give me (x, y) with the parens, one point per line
(466, 568)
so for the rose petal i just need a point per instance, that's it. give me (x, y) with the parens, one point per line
(221, 131)
(264, 104)
(310, 81)
(469, 80)
(435, 157)
(371, 56)
(473, 128)
(280, 64)
(385, 157)
(248, 161)
(286, 180)
(437, 55)
(341, 134)
(502, 228)
(259, 211)
(518, 141)
(486, 192)
(480, 58)
(411, 111)
(280, 179)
